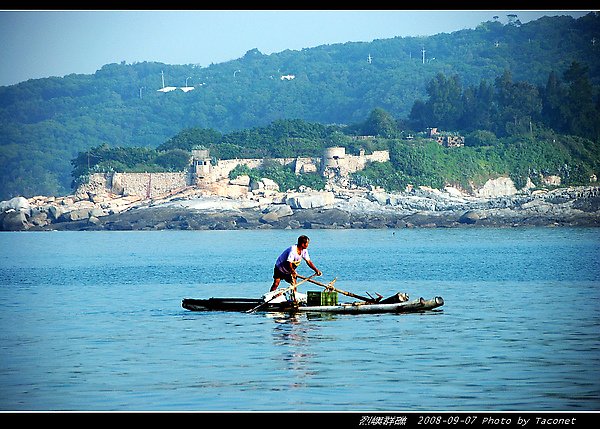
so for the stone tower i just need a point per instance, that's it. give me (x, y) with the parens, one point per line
(201, 166)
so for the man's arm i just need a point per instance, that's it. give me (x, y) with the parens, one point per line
(315, 269)
(292, 269)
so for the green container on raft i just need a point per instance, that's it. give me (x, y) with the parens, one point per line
(320, 298)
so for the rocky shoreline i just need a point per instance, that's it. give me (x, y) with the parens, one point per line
(342, 209)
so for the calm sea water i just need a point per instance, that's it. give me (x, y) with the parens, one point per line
(93, 321)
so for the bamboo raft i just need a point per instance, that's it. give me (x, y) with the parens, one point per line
(247, 304)
(398, 303)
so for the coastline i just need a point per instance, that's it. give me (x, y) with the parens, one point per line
(423, 208)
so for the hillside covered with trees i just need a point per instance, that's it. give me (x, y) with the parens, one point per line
(514, 132)
(513, 90)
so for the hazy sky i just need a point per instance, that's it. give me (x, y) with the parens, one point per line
(36, 44)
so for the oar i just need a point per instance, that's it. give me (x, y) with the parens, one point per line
(281, 292)
(343, 292)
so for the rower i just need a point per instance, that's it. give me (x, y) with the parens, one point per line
(289, 260)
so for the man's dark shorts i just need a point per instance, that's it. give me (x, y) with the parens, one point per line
(280, 275)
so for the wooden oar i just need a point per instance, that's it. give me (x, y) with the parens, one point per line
(343, 292)
(281, 292)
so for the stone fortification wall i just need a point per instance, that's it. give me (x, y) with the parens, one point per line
(359, 162)
(224, 166)
(150, 184)
(300, 165)
(378, 156)
(141, 184)
(306, 165)
(157, 184)
(336, 158)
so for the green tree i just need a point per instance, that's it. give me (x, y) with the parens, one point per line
(173, 160)
(518, 103)
(478, 107)
(189, 138)
(481, 138)
(381, 174)
(445, 101)
(380, 123)
(420, 115)
(554, 104)
(582, 116)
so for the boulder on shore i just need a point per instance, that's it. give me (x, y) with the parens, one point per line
(469, 217)
(13, 221)
(16, 204)
(310, 200)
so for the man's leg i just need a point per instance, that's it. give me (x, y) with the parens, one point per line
(275, 284)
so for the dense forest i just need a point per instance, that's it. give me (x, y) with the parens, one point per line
(515, 91)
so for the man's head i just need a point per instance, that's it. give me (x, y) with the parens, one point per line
(303, 241)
